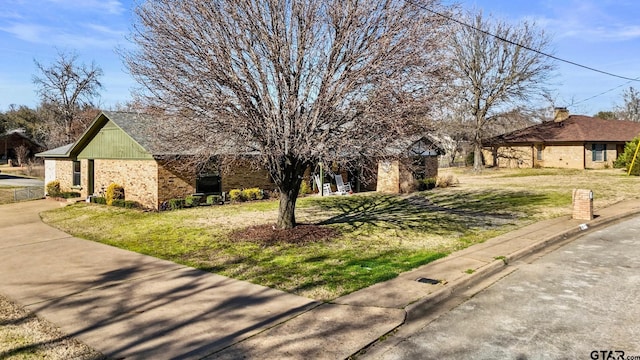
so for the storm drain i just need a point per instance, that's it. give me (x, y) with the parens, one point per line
(428, 281)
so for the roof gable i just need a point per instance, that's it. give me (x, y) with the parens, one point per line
(122, 135)
(417, 145)
(111, 142)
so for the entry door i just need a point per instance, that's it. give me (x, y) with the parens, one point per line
(90, 182)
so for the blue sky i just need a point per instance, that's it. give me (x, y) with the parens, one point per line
(603, 34)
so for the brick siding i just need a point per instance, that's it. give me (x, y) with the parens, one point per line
(396, 177)
(568, 156)
(137, 177)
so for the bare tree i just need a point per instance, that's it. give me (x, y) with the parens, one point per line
(22, 153)
(497, 67)
(296, 81)
(66, 89)
(630, 110)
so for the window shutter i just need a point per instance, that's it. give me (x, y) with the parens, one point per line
(593, 152)
(604, 152)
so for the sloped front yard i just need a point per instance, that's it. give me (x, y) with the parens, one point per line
(371, 238)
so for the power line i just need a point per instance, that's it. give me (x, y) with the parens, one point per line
(602, 93)
(517, 44)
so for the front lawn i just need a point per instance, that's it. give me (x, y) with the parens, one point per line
(379, 235)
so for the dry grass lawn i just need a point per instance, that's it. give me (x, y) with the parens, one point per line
(26, 336)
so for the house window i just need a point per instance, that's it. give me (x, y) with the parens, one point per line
(76, 173)
(599, 152)
(539, 152)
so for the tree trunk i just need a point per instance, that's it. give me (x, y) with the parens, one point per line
(477, 155)
(289, 189)
(287, 209)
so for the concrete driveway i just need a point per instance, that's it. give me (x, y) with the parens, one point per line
(14, 180)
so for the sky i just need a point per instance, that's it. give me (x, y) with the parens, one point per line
(602, 34)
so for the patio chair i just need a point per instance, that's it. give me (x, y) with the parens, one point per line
(342, 187)
(326, 187)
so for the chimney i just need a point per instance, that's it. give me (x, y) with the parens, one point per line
(560, 114)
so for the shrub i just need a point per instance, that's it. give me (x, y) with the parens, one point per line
(53, 188)
(272, 194)
(214, 199)
(69, 194)
(114, 192)
(625, 159)
(117, 202)
(192, 200)
(305, 188)
(175, 204)
(446, 181)
(99, 200)
(235, 195)
(252, 194)
(426, 184)
(130, 204)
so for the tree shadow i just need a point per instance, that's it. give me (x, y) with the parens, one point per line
(128, 308)
(439, 213)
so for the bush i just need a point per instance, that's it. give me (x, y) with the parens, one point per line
(192, 200)
(426, 184)
(130, 204)
(235, 195)
(272, 194)
(99, 200)
(214, 199)
(175, 204)
(624, 160)
(305, 188)
(446, 181)
(69, 194)
(53, 188)
(117, 202)
(252, 194)
(114, 192)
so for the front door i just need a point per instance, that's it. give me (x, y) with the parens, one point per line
(90, 182)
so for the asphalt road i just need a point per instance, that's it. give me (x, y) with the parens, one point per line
(581, 301)
(12, 180)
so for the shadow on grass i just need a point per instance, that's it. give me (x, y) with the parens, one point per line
(437, 212)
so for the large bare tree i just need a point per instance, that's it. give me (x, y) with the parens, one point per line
(498, 66)
(296, 81)
(67, 89)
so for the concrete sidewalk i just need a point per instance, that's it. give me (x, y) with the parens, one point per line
(134, 306)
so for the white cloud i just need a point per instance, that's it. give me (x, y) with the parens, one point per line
(112, 7)
(27, 32)
(590, 21)
(89, 36)
(99, 28)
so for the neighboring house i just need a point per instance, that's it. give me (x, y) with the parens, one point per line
(123, 148)
(570, 141)
(414, 158)
(14, 139)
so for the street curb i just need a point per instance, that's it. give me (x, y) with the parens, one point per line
(498, 265)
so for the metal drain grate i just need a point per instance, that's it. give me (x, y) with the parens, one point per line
(428, 281)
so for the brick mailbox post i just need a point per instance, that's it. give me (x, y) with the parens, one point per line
(582, 204)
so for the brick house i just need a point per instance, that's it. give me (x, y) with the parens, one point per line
(412, 159)
(570, 141)
(122, 148)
